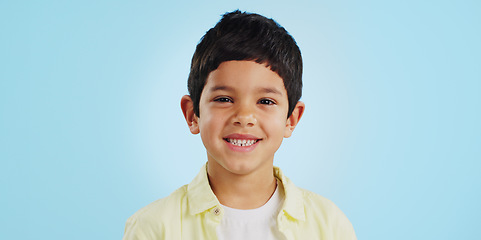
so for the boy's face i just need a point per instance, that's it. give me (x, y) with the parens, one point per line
(243, 117)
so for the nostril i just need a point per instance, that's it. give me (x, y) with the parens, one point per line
(244, 123)
(244, 120)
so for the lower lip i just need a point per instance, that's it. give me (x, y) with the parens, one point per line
(242, 148)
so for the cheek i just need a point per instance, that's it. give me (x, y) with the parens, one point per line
(276, 126)
(210, 125)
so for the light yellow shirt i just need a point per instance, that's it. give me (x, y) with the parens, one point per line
(193, 212)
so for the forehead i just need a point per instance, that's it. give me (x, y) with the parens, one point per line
(244, 76)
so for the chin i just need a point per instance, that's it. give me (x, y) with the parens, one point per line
(239, 168)
(242, 167)
(237, 165)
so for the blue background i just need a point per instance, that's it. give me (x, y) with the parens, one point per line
(91, 128)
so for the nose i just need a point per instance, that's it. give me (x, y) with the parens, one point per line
(245, 117)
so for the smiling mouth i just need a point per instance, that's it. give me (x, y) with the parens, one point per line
(241, 142)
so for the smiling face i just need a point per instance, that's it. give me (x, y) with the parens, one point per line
(243, 117)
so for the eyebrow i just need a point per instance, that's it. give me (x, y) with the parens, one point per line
(270, 90)
(220, 88)
(230, 89)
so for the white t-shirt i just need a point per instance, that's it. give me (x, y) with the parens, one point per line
(252, 224)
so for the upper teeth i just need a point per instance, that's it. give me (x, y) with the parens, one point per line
(241, 142)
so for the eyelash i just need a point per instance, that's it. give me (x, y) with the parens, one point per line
(223, 99)
(267, 101)
(263, 101)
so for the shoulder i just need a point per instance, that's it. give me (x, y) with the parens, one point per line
(161, 208)
(163, 205)
(324, 211)
(152, 220)
(302, 202)
(314, 200)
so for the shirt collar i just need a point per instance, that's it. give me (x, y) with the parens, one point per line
(201, 198)
(293, 202)
(199, 194)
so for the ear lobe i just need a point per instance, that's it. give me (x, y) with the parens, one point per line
(187, 106)
(293, 120)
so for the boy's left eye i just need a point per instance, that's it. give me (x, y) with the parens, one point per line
(266, 101)
(222, 99)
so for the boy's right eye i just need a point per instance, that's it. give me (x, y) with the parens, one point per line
(223, 99)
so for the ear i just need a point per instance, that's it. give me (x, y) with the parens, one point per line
(192, 120)
(293, 120)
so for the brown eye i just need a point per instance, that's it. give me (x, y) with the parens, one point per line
(222, 99)
(267, 102)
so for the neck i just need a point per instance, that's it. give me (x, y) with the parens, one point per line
(242, 191)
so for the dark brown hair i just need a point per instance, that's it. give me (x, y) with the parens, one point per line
(247, 36)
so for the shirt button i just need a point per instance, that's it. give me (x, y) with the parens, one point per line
(216, 211)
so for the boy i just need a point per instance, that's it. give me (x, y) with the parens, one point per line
(244, 85)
